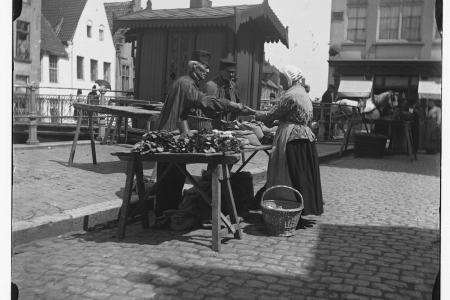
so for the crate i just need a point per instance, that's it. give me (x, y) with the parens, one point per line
(199, 123)
(369, 145)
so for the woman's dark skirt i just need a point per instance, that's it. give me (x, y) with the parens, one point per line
(303, 165)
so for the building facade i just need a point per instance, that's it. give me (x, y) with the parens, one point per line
(83, 29)
(125, 51)
(26, 44)
(393, 43)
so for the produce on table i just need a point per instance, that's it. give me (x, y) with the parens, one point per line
(203, 142)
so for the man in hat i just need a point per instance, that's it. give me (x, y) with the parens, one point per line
(223, 85)
(183, 96)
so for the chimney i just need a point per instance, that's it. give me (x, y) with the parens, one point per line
(137, 5)
(200, 3)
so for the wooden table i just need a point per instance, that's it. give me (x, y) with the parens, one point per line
(406, 125)
(219, 163)
(120, 111)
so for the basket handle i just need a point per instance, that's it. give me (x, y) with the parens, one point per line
(286, 187)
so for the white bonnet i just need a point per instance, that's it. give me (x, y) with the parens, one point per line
(292, 74)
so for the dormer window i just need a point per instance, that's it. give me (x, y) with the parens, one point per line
(89, 29)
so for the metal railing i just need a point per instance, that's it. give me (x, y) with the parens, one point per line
(33, 108)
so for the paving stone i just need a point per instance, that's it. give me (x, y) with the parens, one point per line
(348, 253)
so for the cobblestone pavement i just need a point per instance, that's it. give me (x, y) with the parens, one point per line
(43, 185)
(376, 240)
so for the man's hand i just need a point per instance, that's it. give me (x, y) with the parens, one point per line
(247, 111)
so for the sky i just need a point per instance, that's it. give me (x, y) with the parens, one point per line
(309, 35)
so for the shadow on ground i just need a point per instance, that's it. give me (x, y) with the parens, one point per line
(327, 261)
(337, 263)
(110, 167)
(424, 165)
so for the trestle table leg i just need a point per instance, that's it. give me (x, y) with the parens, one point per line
(108, 130)
(131, 165)
(230, 200)
(91, 131)
(216, 195)
(75, 139)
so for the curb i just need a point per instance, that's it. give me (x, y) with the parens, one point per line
(51, 144)
(84, 218)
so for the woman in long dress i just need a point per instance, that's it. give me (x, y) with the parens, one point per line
(294, 160)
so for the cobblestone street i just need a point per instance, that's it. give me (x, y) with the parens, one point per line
(378, 239)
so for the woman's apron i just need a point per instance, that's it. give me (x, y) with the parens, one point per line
(277, 170)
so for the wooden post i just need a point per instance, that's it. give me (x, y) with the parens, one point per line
(101, 119)
(32, 115)
(216, 205)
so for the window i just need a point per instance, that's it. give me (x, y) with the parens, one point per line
(400, 20)
(53, 68)
(125, 78)
(22, 80)
(337, 16)
(356, 20)
(23, 40)
(94, 70)
(80, 67)
(107, 71)
(89, 31)
(101, 33)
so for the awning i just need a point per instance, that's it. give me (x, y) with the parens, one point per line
(355, 88)
(429, 89)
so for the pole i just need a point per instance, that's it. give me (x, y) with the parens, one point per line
(32, 115)
(101, 118)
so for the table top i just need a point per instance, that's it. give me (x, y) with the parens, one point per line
(215, 158)
(386, 121)
(249, 148)
(123, 111)
(141, 103)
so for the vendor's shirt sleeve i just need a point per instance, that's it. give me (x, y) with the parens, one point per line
(196, 99)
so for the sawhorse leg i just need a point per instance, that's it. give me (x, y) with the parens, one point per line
(216, 202)
(245, 162)
(108, 130)
(230, 200)
(131, 169)
(216, 205)
(408, 134)
(75, 139)
(91, 131)
(117, 129)
(344, 144)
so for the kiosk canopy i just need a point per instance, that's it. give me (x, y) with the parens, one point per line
(429, 89)
(355, 88)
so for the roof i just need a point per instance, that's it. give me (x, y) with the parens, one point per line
(355, 88)
(429, 89)
(63, 16)
(49, 41)
(117, 9)
(231, 16)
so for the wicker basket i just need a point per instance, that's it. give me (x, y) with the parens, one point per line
(199, 123)
(281, 216)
